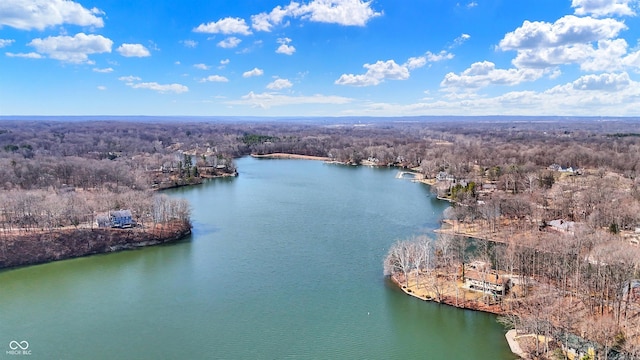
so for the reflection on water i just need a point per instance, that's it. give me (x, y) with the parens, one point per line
(285, 261)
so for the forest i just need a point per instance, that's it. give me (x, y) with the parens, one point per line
(557, 198)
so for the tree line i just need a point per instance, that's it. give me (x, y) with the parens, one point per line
(60, 173)
(560, 293)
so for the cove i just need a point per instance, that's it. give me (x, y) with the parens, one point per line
(284, 262)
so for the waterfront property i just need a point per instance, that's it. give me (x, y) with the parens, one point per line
(121, 219)
(313, 234)
(479, 276)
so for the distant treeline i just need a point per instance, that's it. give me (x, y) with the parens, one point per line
(120, 156)
(624, 135)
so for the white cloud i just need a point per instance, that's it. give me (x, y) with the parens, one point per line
(482, 74)
(279, 84)
(442, 55)
(174, 88)
(429, 57)
(225, 26)
(74, 49)
(31, 55)
(341, 12)
(265, 22)
(607, 55)
(460, 40)
(284, 47)
(469, 5)
(229, 43)
(267, 100)
(254, 72)
(567, 30)
(201, 66)
(632, 60)
(602, 82)
(129, 79)
(223, 63)
(390, 70)
(133, 50)
(261, 22)
(6, 42)
(589, 42)
(603, 7)
(608, 94)
(214, 78)
(40, 14)
(378, 72)
(104, 71)
(543, 58)
(416, 62)
(189, 43)
(102, 87)
(555, 74)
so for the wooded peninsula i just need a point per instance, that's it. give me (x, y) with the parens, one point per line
(543, 229)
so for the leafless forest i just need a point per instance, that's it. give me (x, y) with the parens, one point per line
(58, 173)
(509, 179)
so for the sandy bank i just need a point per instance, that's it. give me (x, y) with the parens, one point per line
(511, 337)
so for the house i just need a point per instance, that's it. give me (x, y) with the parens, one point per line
(570, 170)
(103, 221)
(444, 176)
(489, 187)
(479, 276)
(555, 167)
(633, 237)
(563, 226)
(631, 290)
(121, 219)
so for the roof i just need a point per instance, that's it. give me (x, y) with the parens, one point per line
(562, 225)
(121, 213)
(490, 277)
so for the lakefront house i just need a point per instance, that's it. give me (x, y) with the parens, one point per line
(479, 276)
(116, 219)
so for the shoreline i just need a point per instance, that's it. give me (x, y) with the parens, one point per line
(448, 300)
(446, 227)
(471, 305)
(40, 247)
(197, 181)
(290, 156)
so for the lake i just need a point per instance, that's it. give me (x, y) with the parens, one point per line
(285, 262)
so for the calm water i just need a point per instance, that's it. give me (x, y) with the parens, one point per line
(285, 262)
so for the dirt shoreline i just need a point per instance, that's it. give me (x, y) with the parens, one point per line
(463, 301)
(38, 247)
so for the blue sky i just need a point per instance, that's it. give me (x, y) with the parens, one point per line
(320, 57)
